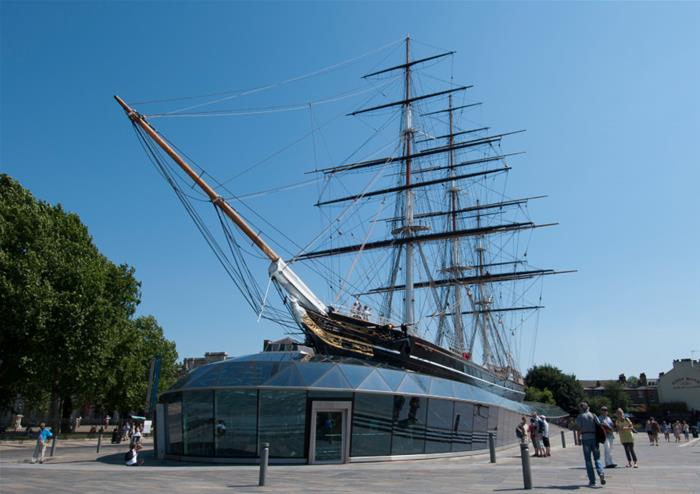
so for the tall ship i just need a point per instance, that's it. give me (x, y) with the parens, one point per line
(421, 249)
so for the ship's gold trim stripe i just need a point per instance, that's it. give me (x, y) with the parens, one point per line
(340, 342)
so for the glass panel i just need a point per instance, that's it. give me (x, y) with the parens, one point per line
(481, 422)
(198, 423)
(371, 425)
(438, 435)
(441, 387)
(174, 428)
(236, 429)
(288, 377)
(463, 423)
(310, 372)
(409, 425)
(355, 374)
(393, 378)
(333, 379)
(410, 385)
(208, 377)
(283, 422)
(375, 382)
(329, 436)
(248, 373)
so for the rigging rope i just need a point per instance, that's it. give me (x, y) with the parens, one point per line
(258, 89)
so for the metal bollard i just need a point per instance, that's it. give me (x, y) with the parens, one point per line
(492, 447)
(563, 440)
(575, 438)
(527, 474)
(263, 463)
(53, 444)
(99, 440)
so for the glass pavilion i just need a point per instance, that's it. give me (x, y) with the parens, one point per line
(327, 410)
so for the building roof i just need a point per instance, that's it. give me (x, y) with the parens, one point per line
(297, 370)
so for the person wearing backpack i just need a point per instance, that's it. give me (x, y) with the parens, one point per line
(586, 424)
(538, 433)
(545, 436)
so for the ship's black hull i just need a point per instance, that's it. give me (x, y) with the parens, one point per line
(340, 335)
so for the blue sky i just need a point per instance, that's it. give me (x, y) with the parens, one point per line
(609, 93)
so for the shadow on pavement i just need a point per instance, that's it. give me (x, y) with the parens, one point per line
(554, 487)
(149, 460)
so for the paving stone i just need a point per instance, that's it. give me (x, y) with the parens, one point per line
(77, 468)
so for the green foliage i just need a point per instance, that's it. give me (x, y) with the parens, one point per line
(565, 388)
(632, 382)
(615, 393)
(129, 364)
(66, 310)
(540, 395)
(597, 402)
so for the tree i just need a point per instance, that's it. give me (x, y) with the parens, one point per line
(539, 395)
(597, 402)
(66, 310)
(565, 388)
(128, 367)
(632, 382)
(616, 395)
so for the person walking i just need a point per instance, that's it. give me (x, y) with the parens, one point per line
(686, 430)
(666, 429)
(677, 428)
(41, 441)
(655, 429)
(647, 429)
(625, 429)
(586, 424)
(609, 428)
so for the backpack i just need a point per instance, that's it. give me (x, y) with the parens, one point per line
(540, 426)
(518, 432)
(129, 455)
(600, 435)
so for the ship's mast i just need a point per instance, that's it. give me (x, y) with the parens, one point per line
(408, 315)
(458, 344)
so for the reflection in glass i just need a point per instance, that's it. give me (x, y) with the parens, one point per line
(329, 436)
(283, 422)
(198, 422)
(409, 425)
(481, 421)
(236, 429)
(438, 435)
(462, 426)
(371, 425)
(173, 412)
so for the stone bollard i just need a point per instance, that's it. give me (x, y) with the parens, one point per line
(527, 474)
(99, 440)
(492, 447)
(563, 440)
(264, 457)
(53, 444)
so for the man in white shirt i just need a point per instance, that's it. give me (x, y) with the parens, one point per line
(608, 425)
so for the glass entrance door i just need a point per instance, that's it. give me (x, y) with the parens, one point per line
(329, 431)
(329, 437)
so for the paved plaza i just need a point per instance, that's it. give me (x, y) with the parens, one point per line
(77, 468)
